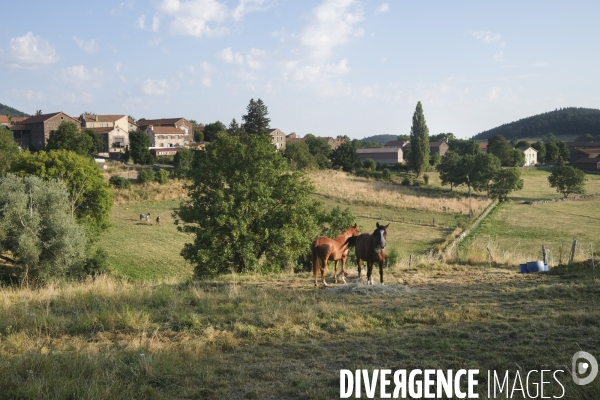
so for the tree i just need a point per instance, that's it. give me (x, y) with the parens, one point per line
(37, 230)
(212, 130)
(234, 129)
(447, 169)
(199, 134)
(563, 151)
(90, 199)
(162, 176)
(419, 141)
(248, 211)
(139, 148)
(256, 121)
(97, 144)
(146, 175)
(299, 157)
(552, 152)
(443, 137)
(567, 180)
(502, 149)
(8, 149)
(506, 181)
(435, 159)
(369, 164)
(345, 156)
(319, 149)
(486, 167)
(541, 150)
(69, 137)
(463, 147)
(183, 162)
(518, 158)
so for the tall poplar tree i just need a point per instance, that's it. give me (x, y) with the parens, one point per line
(419, 141)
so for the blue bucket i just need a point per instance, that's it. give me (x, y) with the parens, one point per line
(535, 266)
(545, 267)
(523, 268)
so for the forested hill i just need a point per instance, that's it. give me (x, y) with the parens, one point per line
(6, 110)
(383, 139)
(565, 121)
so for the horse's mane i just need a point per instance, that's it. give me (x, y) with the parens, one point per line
(351, 241)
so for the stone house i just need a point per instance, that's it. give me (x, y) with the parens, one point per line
(277, 138)
(434, 147)
(165, 136)
(113, 129)
(530, 155)
(382, 155)
(33, 132)
(180, 123)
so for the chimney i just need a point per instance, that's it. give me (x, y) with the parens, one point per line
(96, 117)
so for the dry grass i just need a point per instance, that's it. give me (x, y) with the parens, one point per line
(151, 191)
(363, 191)
(247, 336)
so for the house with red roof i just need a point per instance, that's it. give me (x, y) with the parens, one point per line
(33, 132)
(113, 129)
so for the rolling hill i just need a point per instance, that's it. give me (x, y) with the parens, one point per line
(383, 139)
(6, 110)
(565, 121)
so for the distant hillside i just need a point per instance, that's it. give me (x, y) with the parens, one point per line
(383, 139)
(6, 110)
(565, 121)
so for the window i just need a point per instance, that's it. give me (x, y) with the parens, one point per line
(119, 142)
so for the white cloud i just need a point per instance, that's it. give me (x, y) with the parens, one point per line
(499, 56)
(155, 24)
(254, 57)
(153, 87)
(78, 98)
(486, 36)
(119, 10)
(89, 46)
(118, 66)
(81, 77)
(30, 51)
(206, 69)
(494, 93)
(282, 35)
(248, 6)
(230, 57)
(141, 22)
(333, 24)
(385, 7)
(195, 17)
(320, 73)
(26, 94)
(155, 42)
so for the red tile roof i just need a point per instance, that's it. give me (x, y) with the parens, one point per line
(4, 119)
(44, 117)
(101, 118)
(162, 121)
(167, 129)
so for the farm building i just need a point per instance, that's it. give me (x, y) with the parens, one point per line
(383, 155)
(164, 151)
(587, 164)
(33, 132)
(434, 147)
(530, 155)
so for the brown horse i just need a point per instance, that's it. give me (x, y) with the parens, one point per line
(371, 248)
(336, 249)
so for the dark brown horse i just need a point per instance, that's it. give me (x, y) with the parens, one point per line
(371, 248)
(326, 249)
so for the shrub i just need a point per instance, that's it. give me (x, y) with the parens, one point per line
(392, 257)
(162, 176)
(120, 182)
(426, 179)
(406, 181)
(146, 175)
(386, 175)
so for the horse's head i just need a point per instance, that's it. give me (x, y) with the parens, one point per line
(353, 231)
(380, 235)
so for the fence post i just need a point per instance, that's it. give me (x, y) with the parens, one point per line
(572, 255)
(410, 261)
(544, 254)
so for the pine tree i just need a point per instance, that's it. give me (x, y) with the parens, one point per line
(419, 141)
(256, 121)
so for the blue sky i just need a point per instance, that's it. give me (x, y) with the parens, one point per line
(329, 67)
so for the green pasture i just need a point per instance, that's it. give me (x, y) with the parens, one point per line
(521, 229)
(142, 250)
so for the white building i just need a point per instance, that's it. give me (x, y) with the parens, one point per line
(530, 155)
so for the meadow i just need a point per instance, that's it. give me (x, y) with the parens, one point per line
(149, 331)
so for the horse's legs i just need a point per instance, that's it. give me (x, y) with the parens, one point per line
(369, 273)
(325, 260)
(344, 268)
(381, 272)
(335, 271)
(359, 262)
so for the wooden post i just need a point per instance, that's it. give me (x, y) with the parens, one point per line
(572, 254)
(491, 259)
(544, 254)
(410, 261)
(433, 222)
(592, 248)
(560, 253)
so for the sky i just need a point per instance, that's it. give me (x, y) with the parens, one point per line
(326, 67)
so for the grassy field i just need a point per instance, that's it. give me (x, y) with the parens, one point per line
(515, 231)
(256, 337)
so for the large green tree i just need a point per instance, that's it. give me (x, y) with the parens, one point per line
(68, 136)
(419, 142)
(38, 232)
(345, 156)
(505, 181)
(541, 151)
(183, 162)
(448, 169)
(568, 180)
(139, 148)
(8, 149)
(486, 167)
(89, 198)
(299, 157)
(248, 211)
(256, 120)
(319, 149)
(211, 131)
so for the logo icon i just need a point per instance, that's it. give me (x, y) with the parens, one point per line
(581, 368)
